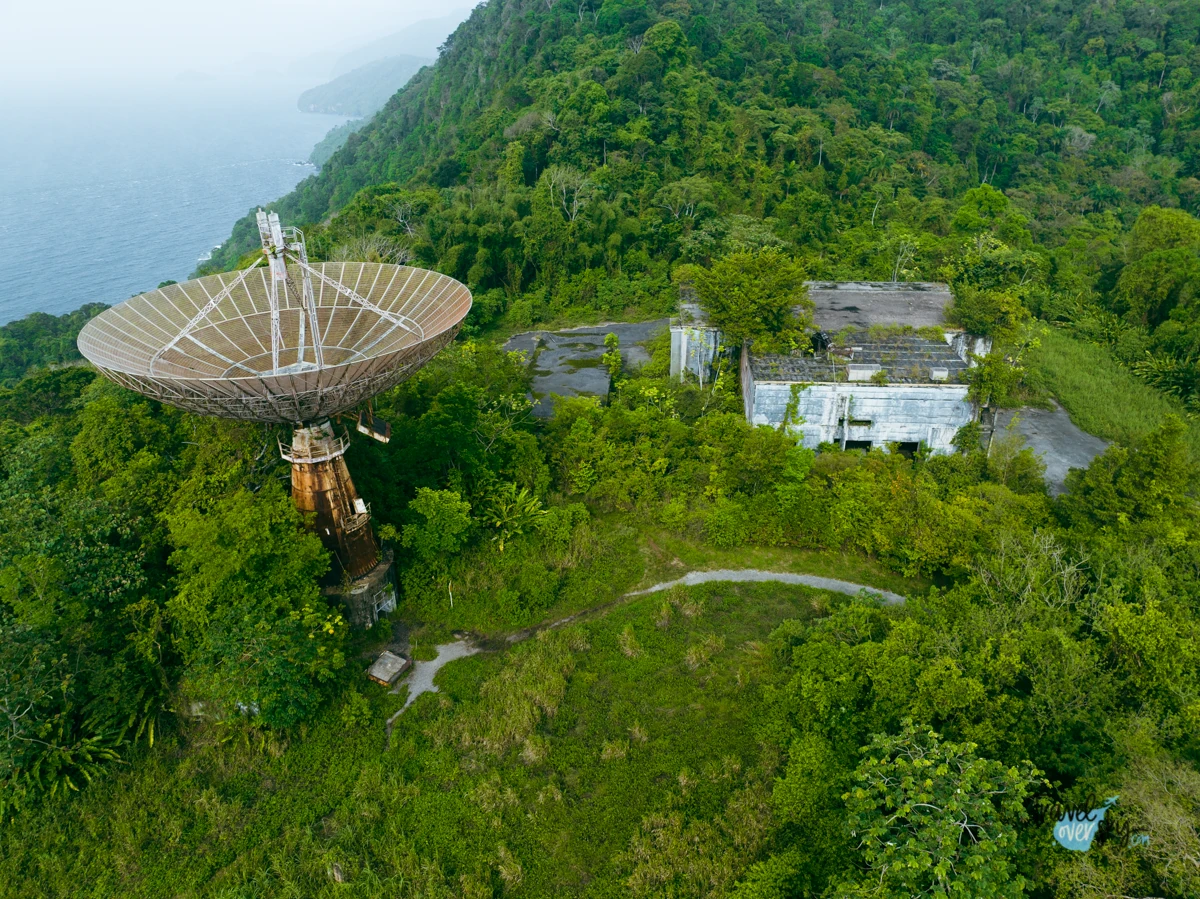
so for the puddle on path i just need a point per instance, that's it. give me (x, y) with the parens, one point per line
(420, 679)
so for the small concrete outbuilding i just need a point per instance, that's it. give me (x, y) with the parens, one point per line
(388, 667)
(885, 370)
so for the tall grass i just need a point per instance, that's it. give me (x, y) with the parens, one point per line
(549, 766)
(1103, 397)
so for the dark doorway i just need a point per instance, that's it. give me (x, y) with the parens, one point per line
(908, 450)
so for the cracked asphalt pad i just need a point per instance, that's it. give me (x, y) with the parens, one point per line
(567, 363)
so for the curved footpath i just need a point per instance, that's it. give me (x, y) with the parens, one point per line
(421, 679)
(693, 578)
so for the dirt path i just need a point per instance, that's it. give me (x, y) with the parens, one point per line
(420, 680)
(753, 574)
(693, 578)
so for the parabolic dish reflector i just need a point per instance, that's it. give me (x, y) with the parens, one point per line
(216, 346)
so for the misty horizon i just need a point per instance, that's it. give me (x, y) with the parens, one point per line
(133, 43)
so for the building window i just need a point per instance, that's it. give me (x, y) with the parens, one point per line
(860, 422)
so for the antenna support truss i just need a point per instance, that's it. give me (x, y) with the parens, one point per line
(280, 246)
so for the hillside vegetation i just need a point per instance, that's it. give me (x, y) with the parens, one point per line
(40, 340)
(563, 160)
(156, 582)
(362, 91)
(183, 713)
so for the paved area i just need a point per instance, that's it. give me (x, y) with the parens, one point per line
(420, 676)
(1054, 438)
(567, 363)
(420, 679)
(784, 577)
(862, 304)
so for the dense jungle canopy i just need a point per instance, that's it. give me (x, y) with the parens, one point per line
(562, 157)
(183, 712)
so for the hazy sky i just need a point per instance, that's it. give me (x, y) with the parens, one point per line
(92, 42)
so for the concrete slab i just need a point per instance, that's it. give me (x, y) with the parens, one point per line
(567, 363)
(387, 668)
(1054, 438)
(866, 303)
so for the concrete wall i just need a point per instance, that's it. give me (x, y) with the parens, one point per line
(694, 349)
(965, 344)
(898, 413)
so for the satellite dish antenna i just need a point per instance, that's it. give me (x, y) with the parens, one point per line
(291, 343)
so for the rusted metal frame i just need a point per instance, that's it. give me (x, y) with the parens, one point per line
(276, 334)
(125, 336)
(402, 321)
(349, 304)
(270, 231)
(448, 284)
(365, 351)
(359, 309)
(220, 356)
(374, 284)
(142, 329)
(253, 311)
(339, 445)
(423, 299)
(259, 374)
(200, 316)
(299, 250)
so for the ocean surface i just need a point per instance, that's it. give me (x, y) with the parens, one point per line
(106, 193)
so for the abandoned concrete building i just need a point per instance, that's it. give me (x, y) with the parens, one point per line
(885, 369)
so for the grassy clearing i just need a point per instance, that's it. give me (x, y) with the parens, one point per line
(535, 767)
(493, 593)
(669, 556)
(1102, 397)
(628, 555)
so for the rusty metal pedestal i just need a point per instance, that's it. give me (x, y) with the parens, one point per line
(321, 487)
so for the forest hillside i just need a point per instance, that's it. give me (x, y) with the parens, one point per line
(561, 159)
(184, 712)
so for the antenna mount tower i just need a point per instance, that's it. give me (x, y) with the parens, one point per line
(289, 343)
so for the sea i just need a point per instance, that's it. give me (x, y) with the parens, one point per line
(105, 193)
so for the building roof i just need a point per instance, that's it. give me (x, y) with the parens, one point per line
(387, 667)
(862, 304)
(903, 358)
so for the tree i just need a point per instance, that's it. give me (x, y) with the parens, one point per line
(1162, 270)
(254, 631)
(1158, 282)
(611, 358)
(1146, 483)
(443, 526)
(757, 295)
(1109, 94)
(1162, 229)
(569, 188)
(933, 819)
(511, 512)
(680, 198)
(982, 207)
(372, 248)
(988, 313)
